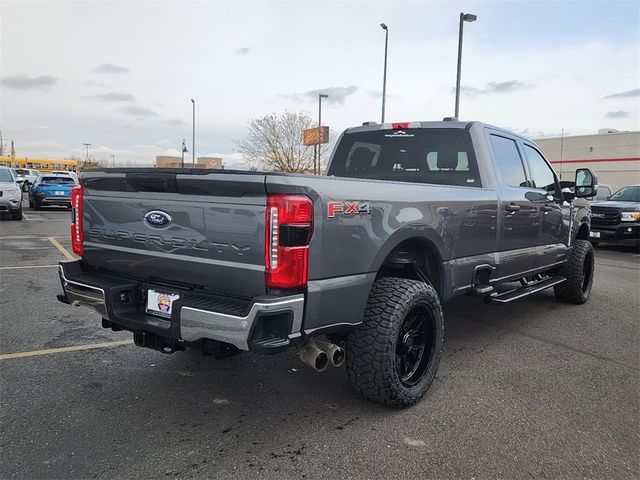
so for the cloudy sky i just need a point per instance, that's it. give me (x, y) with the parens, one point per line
(120, 75)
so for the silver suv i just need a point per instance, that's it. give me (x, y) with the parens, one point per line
(10, 194)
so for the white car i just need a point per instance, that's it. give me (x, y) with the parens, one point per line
(10, 194)
(26, 177)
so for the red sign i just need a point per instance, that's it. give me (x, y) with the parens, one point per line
(315, 136)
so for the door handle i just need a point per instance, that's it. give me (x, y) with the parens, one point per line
(512, 207)
(546, 208)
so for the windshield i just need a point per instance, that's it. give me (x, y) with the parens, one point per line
(442, 156)
(627, 194)
(5, 176)
(56, 180)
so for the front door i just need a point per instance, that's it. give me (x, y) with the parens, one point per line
(519, 215)
(553, 229)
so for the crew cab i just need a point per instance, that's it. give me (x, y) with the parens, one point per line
(355, 263)
(617, 219)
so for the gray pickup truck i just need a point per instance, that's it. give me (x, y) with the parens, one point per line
(348, 267)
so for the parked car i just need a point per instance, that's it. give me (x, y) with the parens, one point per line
(51, 189)
(354, 263)
(10, 194)
(617, 220)
(26, 177)
(604, 192)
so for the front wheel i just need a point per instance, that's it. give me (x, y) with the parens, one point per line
(578, 270)
(393, 356)
(36, 204)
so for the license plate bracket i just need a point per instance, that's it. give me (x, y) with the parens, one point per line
(160, 303)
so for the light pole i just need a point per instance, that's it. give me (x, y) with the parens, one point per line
(384, 77)
(113, 161)
(316, 170)
(193, 135)
(86, 159)
(464, 17)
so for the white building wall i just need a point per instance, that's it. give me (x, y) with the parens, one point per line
(614, 157)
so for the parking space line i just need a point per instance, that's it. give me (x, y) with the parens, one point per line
(61, 249)
(28, 266)
(74, 348)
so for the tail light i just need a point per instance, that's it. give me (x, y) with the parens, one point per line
(77, 235)
(289, 226)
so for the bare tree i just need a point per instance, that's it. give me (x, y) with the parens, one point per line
(274, 143)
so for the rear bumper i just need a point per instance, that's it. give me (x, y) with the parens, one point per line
(264, 324)
(623, 232)
(55, 201)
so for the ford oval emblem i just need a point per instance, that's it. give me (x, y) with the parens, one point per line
(157, 219)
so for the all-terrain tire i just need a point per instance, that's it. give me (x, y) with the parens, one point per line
(578, 271)
(17, 215)
(373, 362)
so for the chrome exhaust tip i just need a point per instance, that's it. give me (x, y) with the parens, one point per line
(314, 357)
(333, 351)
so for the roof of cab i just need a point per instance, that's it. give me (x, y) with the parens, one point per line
(449, 123)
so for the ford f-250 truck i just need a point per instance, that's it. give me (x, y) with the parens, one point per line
(354, 264)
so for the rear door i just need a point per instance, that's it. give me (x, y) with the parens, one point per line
(519, 215)
(198, 230)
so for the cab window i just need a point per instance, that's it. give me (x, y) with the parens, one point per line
(541, 173)
(508, 162)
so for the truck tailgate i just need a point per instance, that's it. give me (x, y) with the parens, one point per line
(208, 230)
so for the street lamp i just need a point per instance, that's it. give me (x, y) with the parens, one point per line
(193, 136)
(113, 161)
(384, 77)
(316, 170)
(86, 160)
(464, 17)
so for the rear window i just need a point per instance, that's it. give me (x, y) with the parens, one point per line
(56, 180)
(440, 156)
(21, 171)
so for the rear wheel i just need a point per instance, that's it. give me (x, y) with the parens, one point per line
(578, 270)
(393, 356)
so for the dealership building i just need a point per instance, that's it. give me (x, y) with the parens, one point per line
(614, 156)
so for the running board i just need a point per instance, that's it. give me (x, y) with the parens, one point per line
(522, 292)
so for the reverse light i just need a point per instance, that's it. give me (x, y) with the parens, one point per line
(630, 217)
(77, 235)
(289, 226)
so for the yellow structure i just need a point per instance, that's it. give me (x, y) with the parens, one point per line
(40, 164)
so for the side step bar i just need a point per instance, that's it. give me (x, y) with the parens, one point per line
(524, 291)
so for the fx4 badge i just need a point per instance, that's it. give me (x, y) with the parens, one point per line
(347, 208)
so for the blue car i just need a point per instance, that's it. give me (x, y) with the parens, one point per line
(51, 189)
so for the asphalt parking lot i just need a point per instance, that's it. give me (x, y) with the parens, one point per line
(531, 389)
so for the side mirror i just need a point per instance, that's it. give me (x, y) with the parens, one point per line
(586, 183)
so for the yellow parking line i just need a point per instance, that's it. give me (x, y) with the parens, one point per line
(75, 348)
(28, 266)
(61, 248)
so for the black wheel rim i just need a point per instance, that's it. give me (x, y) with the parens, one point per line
(587, 270)
(414, 346)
